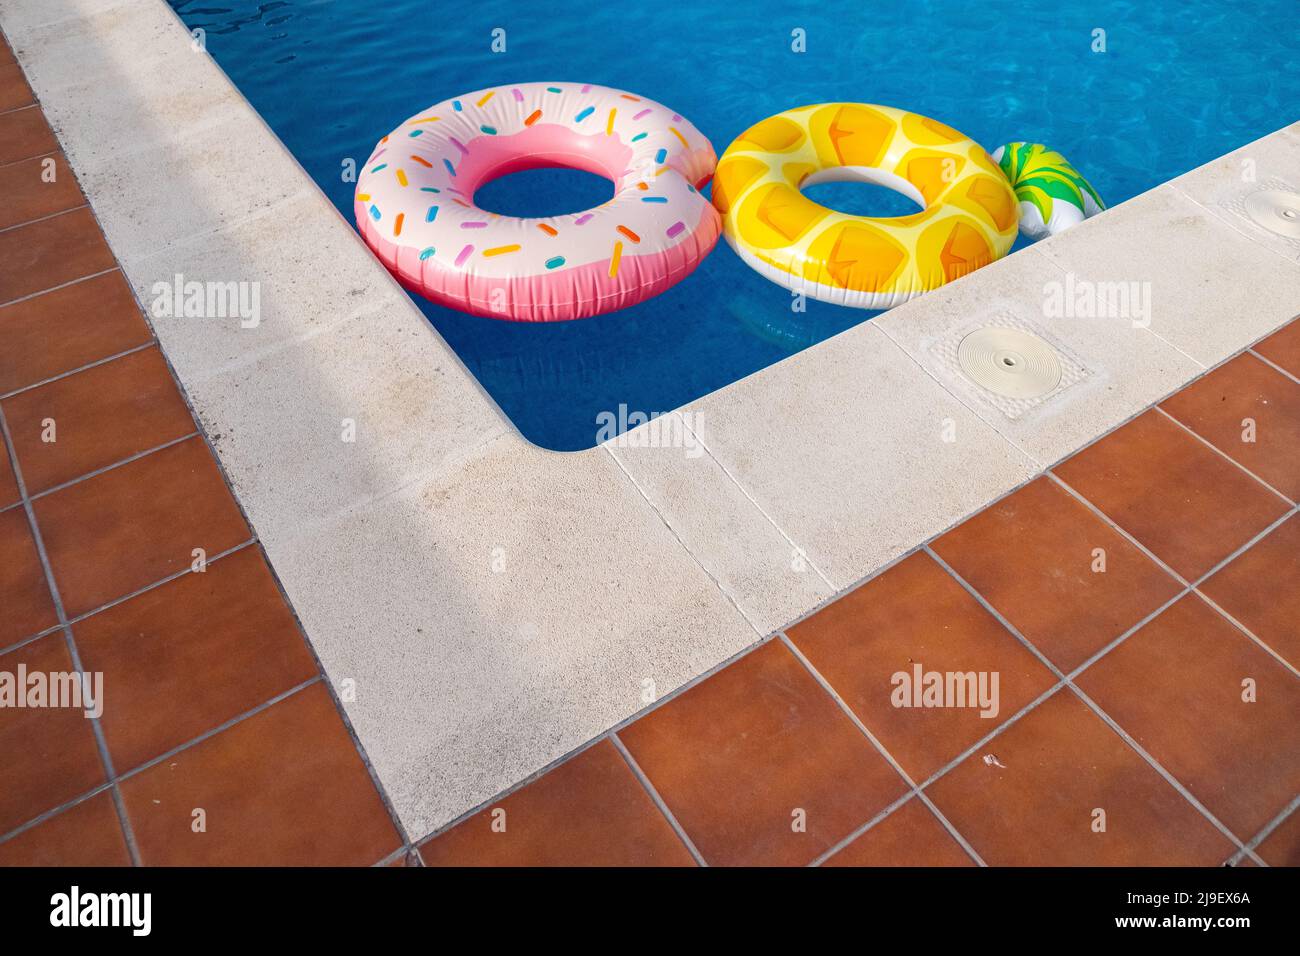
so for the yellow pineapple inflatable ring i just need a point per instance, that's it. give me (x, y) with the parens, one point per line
(969, 217)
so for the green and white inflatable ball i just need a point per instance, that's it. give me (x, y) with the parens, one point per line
(1053, 195)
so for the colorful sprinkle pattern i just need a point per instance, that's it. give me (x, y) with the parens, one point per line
(656, 159)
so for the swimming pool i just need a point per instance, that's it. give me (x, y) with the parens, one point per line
(1177, 85)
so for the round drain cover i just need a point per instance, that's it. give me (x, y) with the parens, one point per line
(1276, 210)
(1009, 362)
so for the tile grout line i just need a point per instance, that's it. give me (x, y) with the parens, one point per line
(1203, 372)
(191, 237)
(350, 729)
(55, 811)
(1156, 765)
(23, 642)
(407, 853)
(188, 569)
(1247, 631)
(929, 780)
(998, 616)
(591, 742)
(742, 652)
(757, 507)
(1265, 832)
(96, 727)
(1187, 355)
(19, 644)
(996, 732)
(47, 218)
(1106, 718)
(160, 758)
(348, 726)
(1235, 223)
(73, 371)
(898, 559)
(966, 400)
(19, 109)
(1046, 472)
(1223, 454)
(192, 242)
(272, 350)
(881, 816)
(1127, 633)
(881, 749)
(1109, 522)
(56, 288)
(960, 758)
(219, 728)
(871, 575)
(27, 159)
(1068, 680)
(1201, 367)
(658, 799)
(509, 791)
(1269, 362)
(1189, 587)
(677, 537)
(53, 489)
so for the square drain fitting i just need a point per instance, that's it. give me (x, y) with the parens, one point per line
(1008, 363)
(1273, 206)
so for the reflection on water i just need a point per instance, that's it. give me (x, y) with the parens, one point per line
(1179, 85)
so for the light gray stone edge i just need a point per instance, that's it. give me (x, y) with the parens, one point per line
(678, 556)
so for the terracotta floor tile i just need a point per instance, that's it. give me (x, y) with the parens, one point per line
(916, 615)
(14, 91)
(589, 811)
(1282, 846)
(1261, 589)
(284, 787)
(24, 134)
(101, 415)
(1031, 555)
(8, 484)
(1177, 685)
(1246, 389)
(1182, 500)
(131, 526)
(910, 836)
(41, 255)
(191, 654)
(35, 188)
(65, 329)
(88, 834)
(1032, 801)
(49, 752)
(28, 607)
(1283, 347)
(737, 755)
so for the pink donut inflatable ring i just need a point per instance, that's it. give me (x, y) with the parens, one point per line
(415, 202)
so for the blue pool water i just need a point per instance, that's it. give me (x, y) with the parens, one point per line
(1179, 84)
